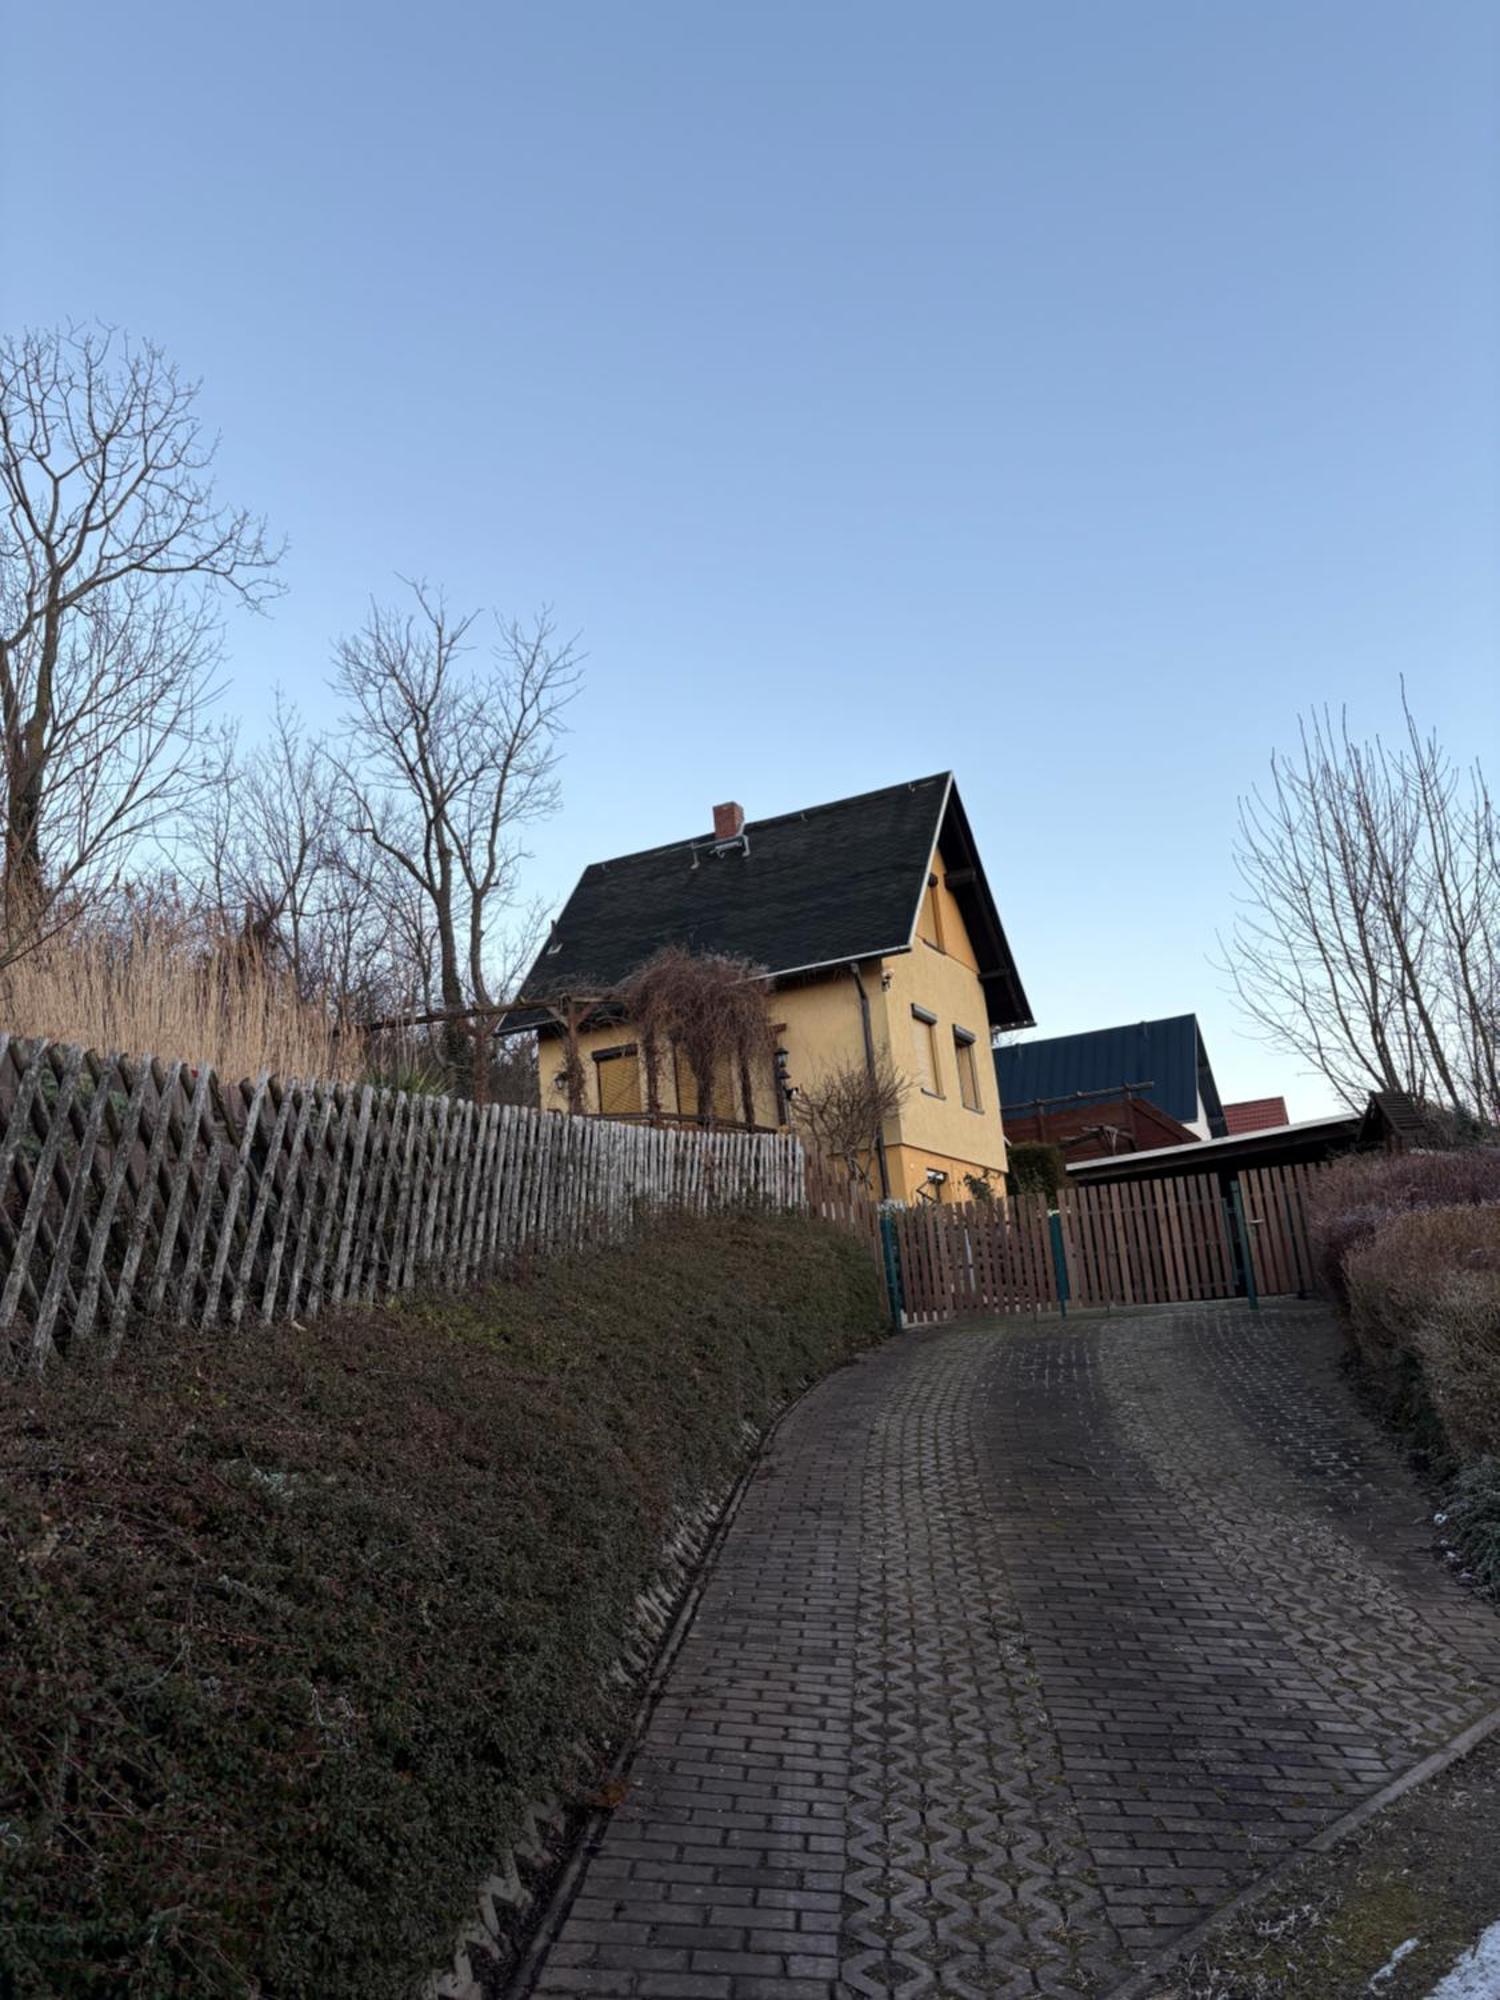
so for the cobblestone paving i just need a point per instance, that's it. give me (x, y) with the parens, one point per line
(1029, 1646)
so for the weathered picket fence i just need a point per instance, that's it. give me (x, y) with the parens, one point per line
(150, 1189)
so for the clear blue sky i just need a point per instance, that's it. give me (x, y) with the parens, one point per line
(1062, 392)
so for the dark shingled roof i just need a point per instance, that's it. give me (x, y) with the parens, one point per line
(804, 890)
(1167, 1055)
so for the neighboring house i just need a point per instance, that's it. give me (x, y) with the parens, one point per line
(1112, 1090)
(1309, 1142)
(1390, 1123)
(875, 919)
(1255, 1114)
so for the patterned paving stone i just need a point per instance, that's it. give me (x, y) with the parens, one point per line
(1029, 1646)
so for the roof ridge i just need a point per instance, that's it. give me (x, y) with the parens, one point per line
(1118, 1028)
(773, 819)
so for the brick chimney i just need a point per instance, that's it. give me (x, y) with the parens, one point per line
(729, 821)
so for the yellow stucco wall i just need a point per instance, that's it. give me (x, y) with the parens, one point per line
(939, 1130)
(820, 1030)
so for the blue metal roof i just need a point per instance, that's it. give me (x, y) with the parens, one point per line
(1167, 1057)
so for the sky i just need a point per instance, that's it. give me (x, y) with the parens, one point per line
(1067, 395)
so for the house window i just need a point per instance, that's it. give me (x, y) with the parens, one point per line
(965, 1063)
(930, 930)
(924, 1042)
(727, 1105)
(619, 1074)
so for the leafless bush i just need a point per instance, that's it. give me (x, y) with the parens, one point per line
(844, 1111)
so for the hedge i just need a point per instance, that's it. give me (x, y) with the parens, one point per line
(1424, 1312)
(1359, 1195)
(296, 1623)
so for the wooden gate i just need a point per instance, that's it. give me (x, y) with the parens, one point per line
(1275, 1204)
(1135, 1243)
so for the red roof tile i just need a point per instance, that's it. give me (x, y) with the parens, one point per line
(1255, 1114)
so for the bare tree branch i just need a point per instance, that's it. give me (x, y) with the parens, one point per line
(844, 1111)
(1367, 935)
(113, 551)
(449, 760)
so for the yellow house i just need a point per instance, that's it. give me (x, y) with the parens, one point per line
(876, 922)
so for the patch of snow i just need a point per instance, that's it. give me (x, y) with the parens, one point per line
(1476, 1975)
(1387, 1971)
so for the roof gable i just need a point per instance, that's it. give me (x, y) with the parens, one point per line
(794, 893)
(1166, 1057)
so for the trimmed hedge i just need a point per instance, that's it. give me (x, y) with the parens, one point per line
(1424, 1313)
(296, 1623)
(1361, 1194)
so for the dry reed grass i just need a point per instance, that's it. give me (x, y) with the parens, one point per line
(157, 985)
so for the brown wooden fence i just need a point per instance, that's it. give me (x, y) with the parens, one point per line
(1136, 1243)
(150, 1189)
(1275, 1201)
(1157, 1242)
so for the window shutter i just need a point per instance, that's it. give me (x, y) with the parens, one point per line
(968, 1070)
(619, 1082)
(921, 1028)
(727, 1103)
(687, 1086)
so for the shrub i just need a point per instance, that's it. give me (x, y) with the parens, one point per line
(295, 1623)
(1360, 1194)
(1036, 1168)
(1424, 1314)
(1458, 1341)
(1473, 1520)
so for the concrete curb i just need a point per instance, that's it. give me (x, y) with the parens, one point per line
(552, 1918)
(1141, 1984)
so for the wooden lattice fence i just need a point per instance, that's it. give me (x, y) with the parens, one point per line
(139, 1190)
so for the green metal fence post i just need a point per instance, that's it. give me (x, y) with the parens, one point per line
(892, 1267)
(1242, 1238)
(1059, 1260)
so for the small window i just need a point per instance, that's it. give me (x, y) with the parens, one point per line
(924, 1041)
(619, 1073)
(968, 1068)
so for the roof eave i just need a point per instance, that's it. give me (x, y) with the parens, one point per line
(1005, 998)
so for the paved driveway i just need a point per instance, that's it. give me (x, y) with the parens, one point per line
(1028, 1647)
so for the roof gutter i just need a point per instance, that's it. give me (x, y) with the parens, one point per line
(864, 1021)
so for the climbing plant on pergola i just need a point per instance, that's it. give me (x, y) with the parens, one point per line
(709, 1008)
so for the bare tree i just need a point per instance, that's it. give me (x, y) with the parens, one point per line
(113, 554)
(449, 759)
(844, 1112)
(274, 857)
(1369, 934)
